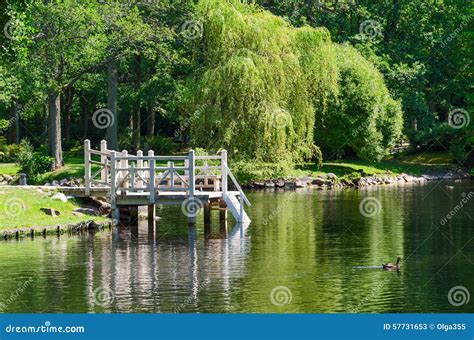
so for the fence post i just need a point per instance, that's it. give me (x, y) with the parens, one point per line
(224, 171)
(113, 187)
(87, 167)
(140, 172)
(192, 187)
(241, 217)
(124, 165)
(103, 160)
(151, 164)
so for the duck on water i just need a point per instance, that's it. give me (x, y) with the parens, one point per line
(391, 266)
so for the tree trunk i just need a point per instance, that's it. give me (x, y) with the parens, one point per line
(136, 133)
(84, 106)
(112, 89)
(15, 124)
(150, 131)
(54, 110)
(68, 100)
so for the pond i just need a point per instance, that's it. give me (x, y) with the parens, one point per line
(306, 251)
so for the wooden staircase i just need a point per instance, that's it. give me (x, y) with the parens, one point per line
(236, 207)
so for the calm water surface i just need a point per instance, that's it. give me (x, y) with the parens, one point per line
(305, 252)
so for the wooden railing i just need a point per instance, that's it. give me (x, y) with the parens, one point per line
(126, 174)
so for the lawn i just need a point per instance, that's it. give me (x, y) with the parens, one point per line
(20, 208)
(9, 169)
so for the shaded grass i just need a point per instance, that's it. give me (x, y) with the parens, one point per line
(9, 169)
(20, 208)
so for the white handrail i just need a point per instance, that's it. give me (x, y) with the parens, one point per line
(234, 180)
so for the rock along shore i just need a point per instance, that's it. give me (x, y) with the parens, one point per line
(331, 181)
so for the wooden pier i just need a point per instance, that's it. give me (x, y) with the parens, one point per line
(194, 182)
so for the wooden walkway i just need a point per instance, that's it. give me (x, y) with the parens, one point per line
(192, 181)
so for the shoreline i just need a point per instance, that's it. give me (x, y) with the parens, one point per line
(331, 181)
(71, 228)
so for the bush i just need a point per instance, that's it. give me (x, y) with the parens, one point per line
(32, 163)
(248, 171)
(363, 117)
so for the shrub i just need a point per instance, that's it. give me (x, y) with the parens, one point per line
(32, 163)
(363, 116)
(161, 145)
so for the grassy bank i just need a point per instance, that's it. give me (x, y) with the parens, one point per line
(21, 208)
(414, 164)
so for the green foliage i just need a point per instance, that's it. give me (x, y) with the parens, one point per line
(261, 83)
(32, 163)
(246, 172)
(363, 117)
(161, 145)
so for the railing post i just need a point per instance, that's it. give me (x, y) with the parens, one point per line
(241, 216)
(151, 164)
(192, 184)
(140, 172)
(224, 171)
(124, 165)
(103, 160)
(87, 167)
(113, 187)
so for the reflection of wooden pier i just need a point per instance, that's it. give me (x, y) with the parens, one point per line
(194, 182)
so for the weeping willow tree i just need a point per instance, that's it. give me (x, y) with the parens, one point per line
(363, 118)
(261, 84)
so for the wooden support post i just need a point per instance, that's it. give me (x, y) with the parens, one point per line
(151, 164)
(151, 216)
(87, 167)
(224, 171)
(103, 160)
(192, 188)
(222, 211)
(133, 215)
(207, 214)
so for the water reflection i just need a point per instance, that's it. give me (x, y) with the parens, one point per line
(317, 244)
